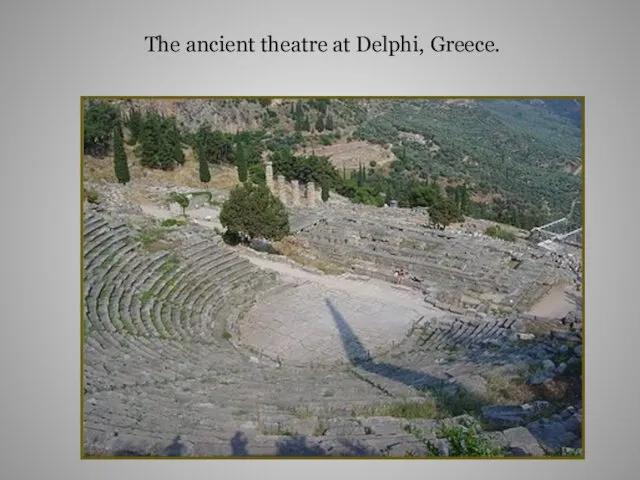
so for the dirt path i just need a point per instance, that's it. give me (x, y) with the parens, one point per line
(556, 304)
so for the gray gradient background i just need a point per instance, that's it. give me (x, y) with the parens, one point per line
(54, 52)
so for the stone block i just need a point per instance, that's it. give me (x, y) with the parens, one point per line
(521, 443)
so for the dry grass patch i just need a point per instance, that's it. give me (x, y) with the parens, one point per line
(294, 250)
(501, 390)
(223, 177)
(400, 409)
(350, 154)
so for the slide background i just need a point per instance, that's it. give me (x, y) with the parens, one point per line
(52, 53)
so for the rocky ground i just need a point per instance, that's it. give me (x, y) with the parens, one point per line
(193, 348)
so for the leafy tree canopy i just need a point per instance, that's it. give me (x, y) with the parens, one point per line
(100, 118)
(252, 211)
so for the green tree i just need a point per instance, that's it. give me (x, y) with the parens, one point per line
(319, 124)
(306, 126)
(150, 141)
(134, 123)
(328, 124)
(205, 174)
(241, 163)
(175, 141)
(100, 118)
(253, 211)
(181, 199)
(325, 191)
(444, 212)
(120, 163)
(160, 142)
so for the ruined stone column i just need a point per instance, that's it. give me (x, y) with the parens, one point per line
(268, 172)
(311, 194)
(282, 192)
(295, 190)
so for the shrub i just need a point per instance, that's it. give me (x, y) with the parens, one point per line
(172, 222)
(91, 196)
(465, 442)
(501, 233)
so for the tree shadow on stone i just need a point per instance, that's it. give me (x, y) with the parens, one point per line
(129, 452)
(357, 449)
(239, 445)
(360, 357)
(176, 449)
(298, 446)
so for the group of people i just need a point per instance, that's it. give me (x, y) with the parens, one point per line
(399, 275)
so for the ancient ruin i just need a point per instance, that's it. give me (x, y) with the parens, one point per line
(292, 193)
(195, 348)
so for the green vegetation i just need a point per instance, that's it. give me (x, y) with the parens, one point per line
(464, 441)
(475, 143)
(571, 452)
(241, 164)
(253, 212)
(443, 212)
(181, 199)
(216, 147)
(151, 237)
(100, 118)
(172, 222)
(120, 163)
(91, 195)
(305, 169)
(509, 161)
(400, 409)
(170, 264)
(325, 191)
(497, 231)
(205, 174)
(160, 142)
(134, 122)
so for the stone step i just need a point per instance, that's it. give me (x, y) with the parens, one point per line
(110, 245)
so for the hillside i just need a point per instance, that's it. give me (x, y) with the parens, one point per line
(520, 160)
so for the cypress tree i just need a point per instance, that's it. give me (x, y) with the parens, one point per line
(176, 143)
(328, 124)
(319, 124)
(305, 124)
(120, 164)
(150, 141)
(241, 163)
(325, 191)
(205, 174)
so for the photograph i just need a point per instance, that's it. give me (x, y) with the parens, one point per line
(335, 277)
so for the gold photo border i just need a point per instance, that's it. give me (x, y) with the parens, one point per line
(84, 98)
